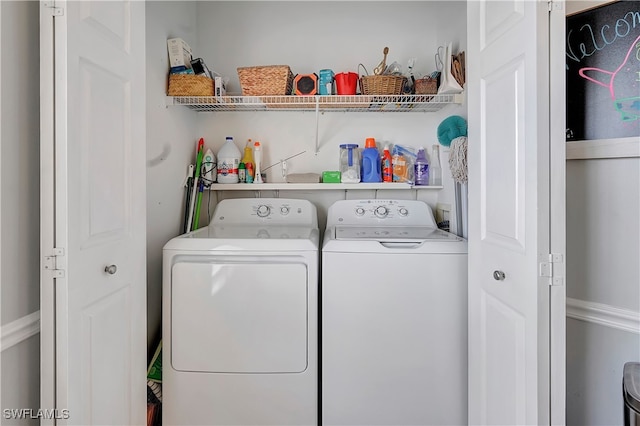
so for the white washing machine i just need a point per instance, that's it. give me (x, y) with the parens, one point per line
(240, 317)
(394, 316)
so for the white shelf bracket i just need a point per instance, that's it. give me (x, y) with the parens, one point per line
(317, 124)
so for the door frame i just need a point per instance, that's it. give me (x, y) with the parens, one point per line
(557, 210)
(47, 212)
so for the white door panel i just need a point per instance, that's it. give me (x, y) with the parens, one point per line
(99, 208)
(509, 213)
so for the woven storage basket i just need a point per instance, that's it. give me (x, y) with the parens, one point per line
(426, 86)
(190, 85)
(381, 84)
(276, 80)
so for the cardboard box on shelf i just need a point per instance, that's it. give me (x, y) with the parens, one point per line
(180, 54)
(219, 86)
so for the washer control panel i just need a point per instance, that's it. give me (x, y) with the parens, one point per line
(248, 211)
(379, 212)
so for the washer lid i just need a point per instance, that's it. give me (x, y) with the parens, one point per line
(393, 233)
(248, 237)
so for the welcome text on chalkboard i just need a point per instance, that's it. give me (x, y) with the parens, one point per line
(603, 72)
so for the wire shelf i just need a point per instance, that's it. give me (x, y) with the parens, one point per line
(328, 103)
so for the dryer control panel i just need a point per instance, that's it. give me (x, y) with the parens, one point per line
(275, 211)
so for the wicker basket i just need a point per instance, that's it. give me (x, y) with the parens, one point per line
(426, 86)
(276, 80)
(381, 84)
(190, 85)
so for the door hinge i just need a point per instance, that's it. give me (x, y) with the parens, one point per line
(51, 263)
(554, 5)
(547, 269)
(55, 10)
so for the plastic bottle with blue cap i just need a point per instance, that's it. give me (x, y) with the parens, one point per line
(228, 162)
(349, 163)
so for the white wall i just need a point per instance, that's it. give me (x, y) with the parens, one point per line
(603, 285)
(336, 35)
(19, 205)
(603, 272)
(170, 148)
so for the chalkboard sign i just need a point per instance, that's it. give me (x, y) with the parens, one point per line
(603, 72)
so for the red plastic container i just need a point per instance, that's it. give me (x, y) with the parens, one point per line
(346, 83)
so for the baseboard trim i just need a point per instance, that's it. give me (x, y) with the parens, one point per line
(20, 330)
(602, 314)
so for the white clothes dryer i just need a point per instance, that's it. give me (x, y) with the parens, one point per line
(394, 316)
(240, 317)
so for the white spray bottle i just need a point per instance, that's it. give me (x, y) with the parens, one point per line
(257, 158)
(209, 167)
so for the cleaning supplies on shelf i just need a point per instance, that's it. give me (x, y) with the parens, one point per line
(371, 162)
(257, 158)
(228, 162)
(242, 173)
(435, 170)
(402, 160)
(387, 165)
(209, 168)
(349, 163)
(421, 168)
(249, 165)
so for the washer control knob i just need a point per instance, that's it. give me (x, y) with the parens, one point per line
(381, 211)
(360, 211)
(403, 211)
(284, 210)
(263, 211)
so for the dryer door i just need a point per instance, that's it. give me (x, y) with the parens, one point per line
(239, 315)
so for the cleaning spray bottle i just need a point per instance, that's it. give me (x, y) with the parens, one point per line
(209, 167)
(387, 167)
(257, 158)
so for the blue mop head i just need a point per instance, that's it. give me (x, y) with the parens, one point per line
(451, 127)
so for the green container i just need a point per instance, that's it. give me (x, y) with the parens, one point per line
(330, 177)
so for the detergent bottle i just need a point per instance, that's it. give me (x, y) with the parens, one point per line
(421, 168)
(249, 164)
(371, 165)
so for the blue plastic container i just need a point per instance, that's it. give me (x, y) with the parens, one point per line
(325, 82)
(371, 163)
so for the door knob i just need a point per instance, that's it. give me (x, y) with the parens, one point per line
(111, 269)
(499, 275)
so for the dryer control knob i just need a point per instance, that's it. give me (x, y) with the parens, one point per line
(403, 211)
(284, 210)
(359, 211)
(263, 211)
(381, 211)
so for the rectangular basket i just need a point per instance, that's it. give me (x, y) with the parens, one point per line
(276, 80)
(381, 84)
(426, 86)
(190, 85)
